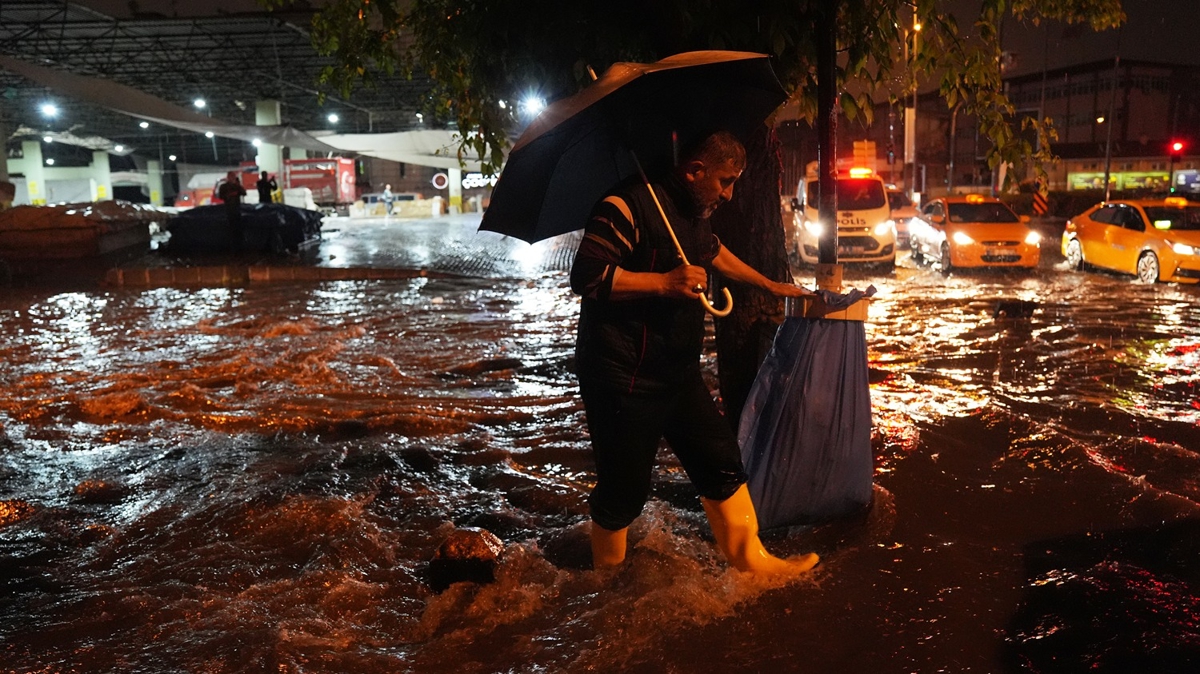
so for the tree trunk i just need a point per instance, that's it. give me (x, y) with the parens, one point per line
(751, 227)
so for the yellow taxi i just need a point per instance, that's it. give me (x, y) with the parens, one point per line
(1155, 239)
(973, 230)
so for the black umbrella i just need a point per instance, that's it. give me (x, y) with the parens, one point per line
(580, 147)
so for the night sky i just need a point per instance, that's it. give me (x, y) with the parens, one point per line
(1156, 30)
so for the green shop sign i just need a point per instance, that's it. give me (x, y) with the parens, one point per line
(1127, 180)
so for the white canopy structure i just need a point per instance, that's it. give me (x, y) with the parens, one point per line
(438, 148)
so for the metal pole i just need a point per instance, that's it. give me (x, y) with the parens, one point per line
(1112, 103)
(827, 133)
(913, 119)
(1045, 63)
(953, 146)
(910, 112)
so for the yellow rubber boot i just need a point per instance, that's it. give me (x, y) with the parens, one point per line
(608, 547)
(735, 526)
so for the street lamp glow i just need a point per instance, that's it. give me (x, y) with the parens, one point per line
(144, 125)
(119, 148)
(50, 161)
(256, 142)
(533, 105)
(333, 118)
(199, 103)
(47, 139)
(917, 26)
(171, 157)
(49, 109)
(1100, 119)
(208, 134)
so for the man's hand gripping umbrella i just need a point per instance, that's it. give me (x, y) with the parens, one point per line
(698, 288)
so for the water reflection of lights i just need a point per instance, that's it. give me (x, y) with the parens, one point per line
(1173, 367)
(531, 258)
(1173, 315)
(335, 251)
(67, 325)
(421, 255)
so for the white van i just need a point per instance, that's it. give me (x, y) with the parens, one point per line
(865, 229)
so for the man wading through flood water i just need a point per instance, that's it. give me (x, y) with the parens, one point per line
(641, 330)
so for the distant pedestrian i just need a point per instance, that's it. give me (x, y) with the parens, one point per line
(231, 192)
(266, 187)
(387, 197)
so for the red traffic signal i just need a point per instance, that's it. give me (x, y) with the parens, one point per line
(1176, 147)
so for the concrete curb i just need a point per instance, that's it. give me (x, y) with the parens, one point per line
(232, 275)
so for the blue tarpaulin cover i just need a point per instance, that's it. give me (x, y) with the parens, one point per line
(805, 431)
(267, 228)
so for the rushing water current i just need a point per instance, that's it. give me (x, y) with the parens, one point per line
(254, 479)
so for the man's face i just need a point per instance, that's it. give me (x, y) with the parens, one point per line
(711, 185)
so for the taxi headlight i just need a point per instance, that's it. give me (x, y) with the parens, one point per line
(815, 228)
(1183, 249)
(962, 239)
(885, 227)
(1033, 238)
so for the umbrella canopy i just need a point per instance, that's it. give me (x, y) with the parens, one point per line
(580, 147)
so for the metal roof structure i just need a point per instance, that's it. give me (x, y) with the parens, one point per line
(230, 60)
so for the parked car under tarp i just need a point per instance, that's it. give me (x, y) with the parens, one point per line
(266, 228)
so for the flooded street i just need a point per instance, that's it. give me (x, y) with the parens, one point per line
(254, 479)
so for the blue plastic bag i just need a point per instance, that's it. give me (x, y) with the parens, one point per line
(805, 431)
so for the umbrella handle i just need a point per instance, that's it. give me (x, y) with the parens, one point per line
(719, 313)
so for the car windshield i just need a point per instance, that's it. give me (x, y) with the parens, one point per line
(898, 200)
(1166, 217)
(854, 194)
(986, 212)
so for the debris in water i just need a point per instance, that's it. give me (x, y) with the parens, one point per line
(468, 555)
(1014, 309)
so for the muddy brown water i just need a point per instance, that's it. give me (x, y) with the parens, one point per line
(253, 479)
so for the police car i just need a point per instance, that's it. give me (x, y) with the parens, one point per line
(865, 229)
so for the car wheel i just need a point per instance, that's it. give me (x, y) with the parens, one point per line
(1074, 255)
(1147, 268)
(946, 258)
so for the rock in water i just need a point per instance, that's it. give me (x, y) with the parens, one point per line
(1014, 309)
(483, 366)
(568, 548)
(467, 555)
(99, 492)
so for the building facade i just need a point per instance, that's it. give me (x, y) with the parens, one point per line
(1122, 117)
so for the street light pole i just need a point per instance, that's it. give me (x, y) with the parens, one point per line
(1111, 119)
(910, 113)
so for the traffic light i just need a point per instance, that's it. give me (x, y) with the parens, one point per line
(1176, 148)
